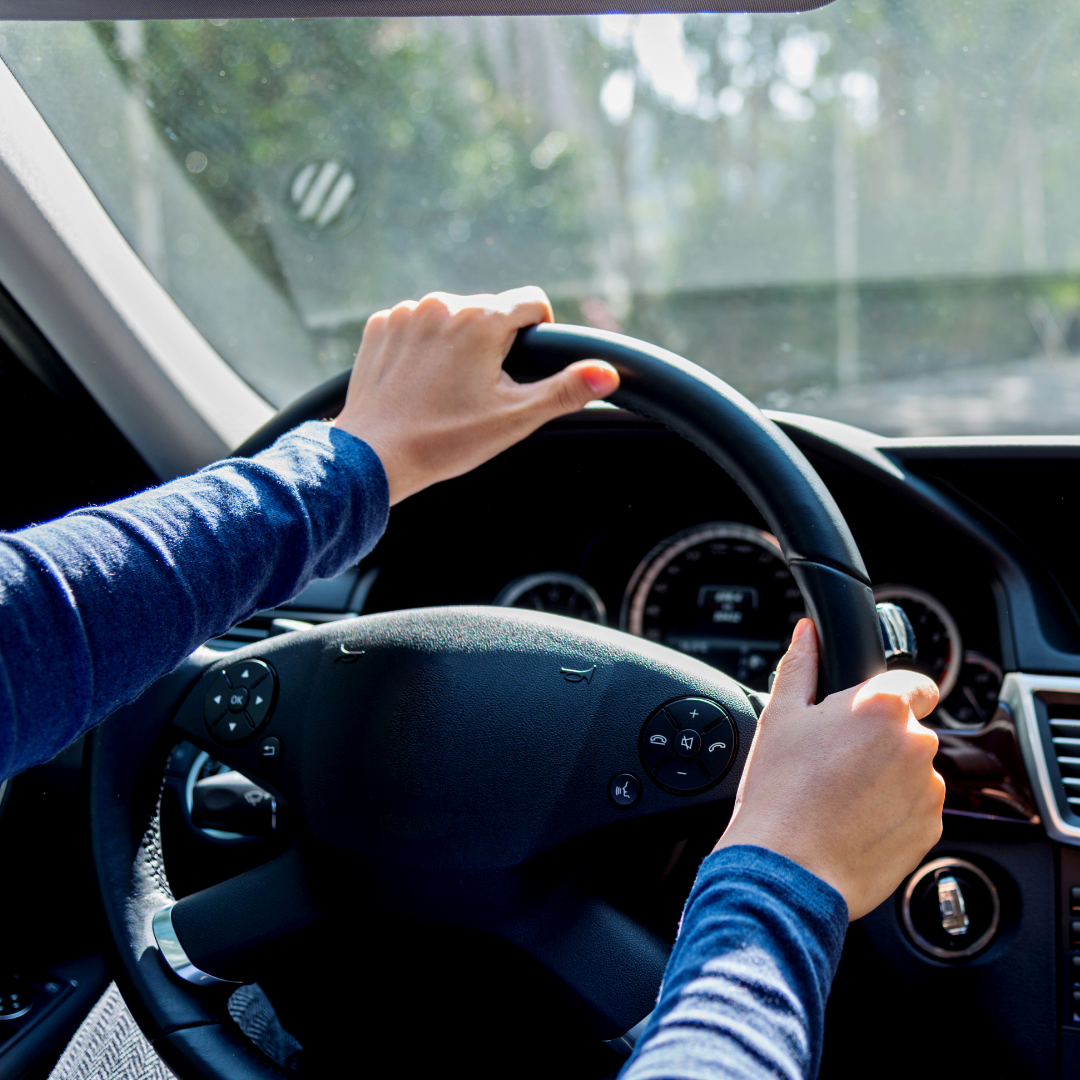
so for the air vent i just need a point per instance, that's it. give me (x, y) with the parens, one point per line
(1046, 709)
(324, 600)
(1063, 719)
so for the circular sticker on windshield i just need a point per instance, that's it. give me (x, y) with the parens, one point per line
(322, 197)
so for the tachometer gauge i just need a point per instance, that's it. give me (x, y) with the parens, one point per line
(557, 594)
(974, 699)
(722, 592)
(936, 634)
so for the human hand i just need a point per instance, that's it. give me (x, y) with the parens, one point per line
(847, 788)
(428, 393)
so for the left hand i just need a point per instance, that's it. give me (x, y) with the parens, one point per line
(428, 393)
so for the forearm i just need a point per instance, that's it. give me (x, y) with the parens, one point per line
(745, 990)
(99, 604)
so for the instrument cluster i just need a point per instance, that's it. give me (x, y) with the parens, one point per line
(722, 591)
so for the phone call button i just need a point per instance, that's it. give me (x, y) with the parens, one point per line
(658, 742)
(718, 747)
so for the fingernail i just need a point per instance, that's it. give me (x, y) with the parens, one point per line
(602, 379)
(800, 628)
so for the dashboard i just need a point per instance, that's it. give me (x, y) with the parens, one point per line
(722, 591)
(619, 522)
(610, 518)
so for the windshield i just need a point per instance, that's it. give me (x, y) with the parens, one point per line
(865, 212)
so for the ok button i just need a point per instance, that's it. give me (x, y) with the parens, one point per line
(237, 698)
(687, 742)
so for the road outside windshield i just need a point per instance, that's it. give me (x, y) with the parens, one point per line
(866, 212)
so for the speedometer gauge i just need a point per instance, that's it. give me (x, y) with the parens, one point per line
(722, 592)
(937, 637)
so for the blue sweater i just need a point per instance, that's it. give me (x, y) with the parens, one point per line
(97, 605)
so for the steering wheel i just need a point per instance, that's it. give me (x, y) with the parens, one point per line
(493, 702)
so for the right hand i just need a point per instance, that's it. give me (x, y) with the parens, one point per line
(847, 789)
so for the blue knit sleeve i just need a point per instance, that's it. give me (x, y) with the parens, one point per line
(745, 989)
(97, 605)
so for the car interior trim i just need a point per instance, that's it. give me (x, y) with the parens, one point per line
(625, 1044)
(1018, 693)
(174, 955)
(1024, 643)
(68, 266)
(312, 9)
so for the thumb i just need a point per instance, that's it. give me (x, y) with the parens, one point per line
(574, 387)
(797, 676)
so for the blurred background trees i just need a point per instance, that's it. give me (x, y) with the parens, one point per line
(838, 212)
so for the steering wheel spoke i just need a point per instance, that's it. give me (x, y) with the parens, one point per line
(228, 932)
(609, 962)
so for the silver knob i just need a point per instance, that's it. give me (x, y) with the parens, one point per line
(950, 898)
(897, 633)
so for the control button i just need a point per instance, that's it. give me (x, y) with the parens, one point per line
(1074, 895)
(684, 775)
(694, 712)
(658, 739)
(258, 705)
(216, 699)
(237, 698)
(1075, 962)
(625, 789)
(687, 743)
(718, 747)
(14, 998)
(249, 673)
(233, 728)
(246, 689)
(270, 750)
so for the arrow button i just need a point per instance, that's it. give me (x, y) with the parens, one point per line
(216, 700)
(239, 700)
(258, 706)
(250, 673)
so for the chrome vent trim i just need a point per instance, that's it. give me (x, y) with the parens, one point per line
(1052, 757)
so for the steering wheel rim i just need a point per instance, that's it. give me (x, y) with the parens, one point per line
(126, 755)
(760, 458)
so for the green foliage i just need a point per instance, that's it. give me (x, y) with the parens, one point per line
(437, 152)
(909, 146)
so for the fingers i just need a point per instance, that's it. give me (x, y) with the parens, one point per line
(572, 388)
(526, 306)
(796, 678)
(903, 692)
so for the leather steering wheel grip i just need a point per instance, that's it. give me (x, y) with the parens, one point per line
(759, 457)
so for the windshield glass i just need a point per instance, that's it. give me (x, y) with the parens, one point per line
(865, 212)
